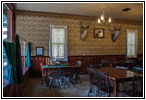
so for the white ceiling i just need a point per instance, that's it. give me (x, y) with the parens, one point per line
(89, 9)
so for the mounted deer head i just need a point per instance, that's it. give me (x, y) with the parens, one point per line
(115, 32)
(84, 30)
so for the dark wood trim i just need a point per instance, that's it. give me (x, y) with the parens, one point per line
(11, 6)
(11, 20)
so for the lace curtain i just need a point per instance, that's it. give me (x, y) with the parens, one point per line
(58, 42)
(131, 43)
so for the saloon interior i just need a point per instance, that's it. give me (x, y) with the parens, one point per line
(72, 49)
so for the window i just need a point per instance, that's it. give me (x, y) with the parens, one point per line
(58, 42)
(5, 38)
(131, 43)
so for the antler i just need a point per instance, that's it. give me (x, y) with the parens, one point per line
(82, 27)
(88, 24)
(117, 27)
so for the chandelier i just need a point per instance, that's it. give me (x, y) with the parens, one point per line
(102, 20)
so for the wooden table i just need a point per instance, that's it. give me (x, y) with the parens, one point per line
(46, 67)
(117, 76)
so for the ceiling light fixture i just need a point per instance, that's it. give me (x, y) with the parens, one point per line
(102, 20)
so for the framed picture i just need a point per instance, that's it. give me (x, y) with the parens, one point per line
(98, 33)
(39, 51)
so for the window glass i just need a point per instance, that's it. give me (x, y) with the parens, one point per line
(131, 43)
(5, 38)
(58, 42)
(5, 28)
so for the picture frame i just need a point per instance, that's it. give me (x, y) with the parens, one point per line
(98, 33)
(39, 51)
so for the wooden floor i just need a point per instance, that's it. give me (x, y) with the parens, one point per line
(35, 89)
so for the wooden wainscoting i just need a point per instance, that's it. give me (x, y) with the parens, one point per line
(35, 64)
(86, 61)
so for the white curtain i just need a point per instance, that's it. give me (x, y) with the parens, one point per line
(58, 42)
(131, 43)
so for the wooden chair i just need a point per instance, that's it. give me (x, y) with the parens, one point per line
(93, 81)
(135, 89)
(104, 84)
(68, 73)
(104, 63)
(95, 65)
(44, 74)
(54, 75)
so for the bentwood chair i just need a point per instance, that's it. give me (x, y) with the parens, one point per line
(68, 72)
(124, 84)
(54, 76)
(135, 89)
(104, 84)
(93, 81)
(104, 63)
(95, 65)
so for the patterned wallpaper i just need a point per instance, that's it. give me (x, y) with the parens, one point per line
(34, 27)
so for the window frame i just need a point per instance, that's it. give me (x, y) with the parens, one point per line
(65, 43)
(11, 21)
(136, 43)
(10, 13)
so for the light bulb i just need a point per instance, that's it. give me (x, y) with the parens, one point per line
(98, 21)
(102, 17)
(109, 20)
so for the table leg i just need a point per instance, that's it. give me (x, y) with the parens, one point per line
(76, 78)
(76, 75)
(116, 89)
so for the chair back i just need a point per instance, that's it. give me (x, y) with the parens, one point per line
(105, 63)
(103, 81)
(95, 65)
(55, 71)
(92, 75)
(69, 69)
(43, 71)
(137, 86)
